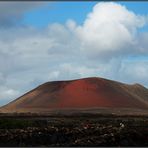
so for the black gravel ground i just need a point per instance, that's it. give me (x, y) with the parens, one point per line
(74, 131)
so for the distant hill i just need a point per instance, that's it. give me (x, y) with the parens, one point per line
(82, 93)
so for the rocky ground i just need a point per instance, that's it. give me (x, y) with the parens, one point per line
(74, 131)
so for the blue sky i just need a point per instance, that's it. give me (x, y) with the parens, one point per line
(58, 12)
(48, 41)
(62, 11)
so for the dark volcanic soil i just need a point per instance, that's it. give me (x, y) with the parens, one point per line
(74, 131)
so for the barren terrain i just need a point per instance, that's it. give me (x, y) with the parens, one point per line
(80, 94)
(84, 130)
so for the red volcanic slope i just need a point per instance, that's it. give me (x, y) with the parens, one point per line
(81, 93)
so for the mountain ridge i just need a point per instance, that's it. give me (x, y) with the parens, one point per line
(88, 92)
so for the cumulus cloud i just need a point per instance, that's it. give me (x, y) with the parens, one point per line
(109, 30)
(141, 46)
(6, 93)
(134, 71)
(109, 35)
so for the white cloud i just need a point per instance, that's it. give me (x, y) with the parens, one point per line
(109, 30)
(134, 71)
(71, 24)
(6, 93)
